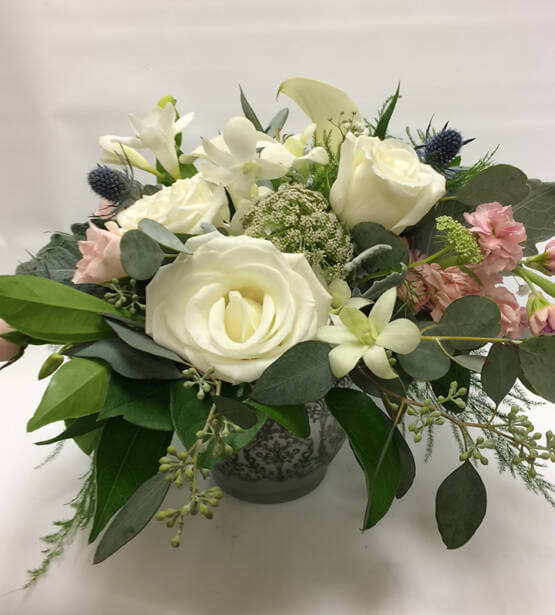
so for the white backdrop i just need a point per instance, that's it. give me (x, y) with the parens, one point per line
(73, 70)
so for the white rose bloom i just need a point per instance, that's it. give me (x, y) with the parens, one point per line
(383, 182)
(182, 207)
(235, 304)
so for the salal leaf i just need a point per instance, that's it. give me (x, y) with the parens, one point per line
(127, 456)
(461, 503)
(160, 234)
(300, 375)
(141, 256)
(51, 311)
(321, 102)
(145, 403)
(127, 361)
(471, 316)
(133, 517)
(500, 371)
(77, 389)
(293, 418)
(537, 358)
(75, 428)
(371, 438)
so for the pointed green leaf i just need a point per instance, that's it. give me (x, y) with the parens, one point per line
(461, 503)
(133, 517)
(77, 427)
(321, 102)
(500, 371)
(51, 311)
(235, 411)
(249, 111)
(537, 358)
(407, 470)
(126, 457)
(294, 418)
(370, 435)
(383, 122)
(77, 389)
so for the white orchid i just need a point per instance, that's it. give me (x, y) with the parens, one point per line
(156, 132)
(292, 153)
(233, 159)
(341, 297)
(368, 337)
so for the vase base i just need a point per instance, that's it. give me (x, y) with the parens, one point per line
(265, 491)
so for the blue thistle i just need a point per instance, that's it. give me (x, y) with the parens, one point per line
(107, 183)
(443, 147)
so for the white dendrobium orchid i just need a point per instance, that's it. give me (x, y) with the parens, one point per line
(292, 152)
(156, 132)
(368, 337)
(341, 297)
(233, 160)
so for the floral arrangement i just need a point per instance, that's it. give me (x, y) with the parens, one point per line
(253, 274)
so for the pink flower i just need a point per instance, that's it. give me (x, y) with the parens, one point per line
(499, 236)
(101, 260)
(550, 256)
(105, 209)
(513, 316)
(542, 321)
(8, 351)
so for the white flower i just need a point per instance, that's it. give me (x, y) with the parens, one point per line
(156, 132)
(235, 304)
(182, 207)
(292, 153)
(341, 297)
(367, 338)
(233, 160)
(383, 182)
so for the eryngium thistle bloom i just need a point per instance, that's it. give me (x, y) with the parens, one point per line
(442, 148)
(107, 183)
(299, 220)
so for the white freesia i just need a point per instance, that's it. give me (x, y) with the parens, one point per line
(383, 182)
(292, 153)
(182, 207)
(156, 131)
(368, 337)
(116, 152)
(235, 304)
(233, 160)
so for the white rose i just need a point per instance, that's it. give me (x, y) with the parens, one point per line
(182, 207)
(383, 182)
(235, 304)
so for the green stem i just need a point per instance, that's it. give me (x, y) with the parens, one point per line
(431, 258)
(531, 278)
(493, 340)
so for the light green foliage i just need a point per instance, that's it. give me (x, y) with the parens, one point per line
(296, 219)
(460, 239)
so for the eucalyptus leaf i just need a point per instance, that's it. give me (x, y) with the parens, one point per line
(300, 375)
(145, 403)
(501, 183)
(126, 360)
(277, 123)
(461, 503)
(293, 418)
(248, 111)
(77, 389)
(141, 256)
(77, 427)
(133, 517)
(427, 362)
(160, 234)
(472, 316)
(51, 311)
(235, 411)
(141, 341)
(537, 358)
(473, 362)
(537, 212)
(370, 435)
(126, 457)
(500, 371)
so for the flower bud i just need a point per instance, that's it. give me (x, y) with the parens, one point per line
(50, 365)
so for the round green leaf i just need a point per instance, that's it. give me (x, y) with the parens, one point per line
(472, 316)
(537, 358)
(160, 234)
(427, 362)
(141, 256)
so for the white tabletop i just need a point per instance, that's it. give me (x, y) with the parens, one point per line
(71, 71)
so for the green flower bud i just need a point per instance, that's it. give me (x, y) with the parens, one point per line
(175, 541)
(205, 510)
(50, 365)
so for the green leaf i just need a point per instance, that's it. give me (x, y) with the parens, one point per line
(87, 442)
(188, 413)
(249, 112)
(371, 439)
(537, 358)
(537, 212)
(77, 389)
(383, 122)
(459, 374)
(77, 427)
(293, 418)
(500, 371)
(145, 403)
(126, 457)
(51, 311)
(407, 470)
(141, 341)
(126, 360)
(427, 362)
(368, 234)
(300, 375)
(473, 362)
(460, 505)
(277, 123)
(502, 183)
(161, 235)
(380, 286)
(471, 316)
(133, 517)
(235, 411)
(141, 256)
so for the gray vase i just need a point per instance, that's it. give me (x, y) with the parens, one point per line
(279, 466)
